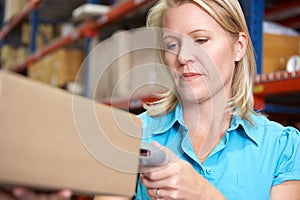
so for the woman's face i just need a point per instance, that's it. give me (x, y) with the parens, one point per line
(200, 53)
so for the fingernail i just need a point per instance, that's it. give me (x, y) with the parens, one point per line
(18, 192)
(65, 193)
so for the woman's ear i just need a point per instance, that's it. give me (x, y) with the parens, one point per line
(241, 46)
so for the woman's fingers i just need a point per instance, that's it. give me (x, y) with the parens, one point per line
(6, 196)
(65, 194)
(25, 194)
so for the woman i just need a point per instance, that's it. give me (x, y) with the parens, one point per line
(225, 150)
(218, 148)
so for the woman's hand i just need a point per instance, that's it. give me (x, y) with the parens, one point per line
(177, 180)
(20, 193)
(98, 197)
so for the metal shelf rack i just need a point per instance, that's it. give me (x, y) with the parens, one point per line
(6, 28)
(280, 91)
(28, 8)
(278, 95)
(87, 29)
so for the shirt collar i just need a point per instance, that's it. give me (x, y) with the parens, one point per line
(249, 130)
(163, 123)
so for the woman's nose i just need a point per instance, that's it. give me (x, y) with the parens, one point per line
(184, 55)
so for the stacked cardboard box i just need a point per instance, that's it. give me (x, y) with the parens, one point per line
(11, 55)
(45, 34)
(57, 68)
(277, 49)
(13, 7)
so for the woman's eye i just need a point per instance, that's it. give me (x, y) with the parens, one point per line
(171, 46)
(201, 40)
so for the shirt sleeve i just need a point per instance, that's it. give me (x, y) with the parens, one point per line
(288, 167)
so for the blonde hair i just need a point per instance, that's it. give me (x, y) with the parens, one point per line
(229, 15)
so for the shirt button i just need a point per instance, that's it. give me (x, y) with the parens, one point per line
(209, 170)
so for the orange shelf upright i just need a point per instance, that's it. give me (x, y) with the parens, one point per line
(30, 6)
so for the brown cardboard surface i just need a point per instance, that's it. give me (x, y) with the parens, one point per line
(12, 8)
(57, 68)
(50, 139)
(277, 49)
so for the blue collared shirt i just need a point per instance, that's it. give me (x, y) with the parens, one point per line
(246, 163)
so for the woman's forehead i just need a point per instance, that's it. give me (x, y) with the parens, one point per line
(187, 18)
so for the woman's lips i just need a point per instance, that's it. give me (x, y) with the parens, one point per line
(190, 76)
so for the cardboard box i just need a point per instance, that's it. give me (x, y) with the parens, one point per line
(44, 35)
(11, 55)
(13, 7)
(50, 139)
(57, 68)
(277, 49)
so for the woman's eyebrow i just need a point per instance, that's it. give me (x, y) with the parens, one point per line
(175, 34)
(200, 30)
(169, 36)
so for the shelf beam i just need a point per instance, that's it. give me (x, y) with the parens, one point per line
(293, 22)
(30, 6)
(275, 84)
(56, 44)
(87, 29)
(282, 109)
(117, 13)
(283, 10)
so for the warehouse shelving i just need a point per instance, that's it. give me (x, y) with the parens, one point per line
(275, 85)
(28, 8)
(279, 14)
(278, 95)
(87, 29)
